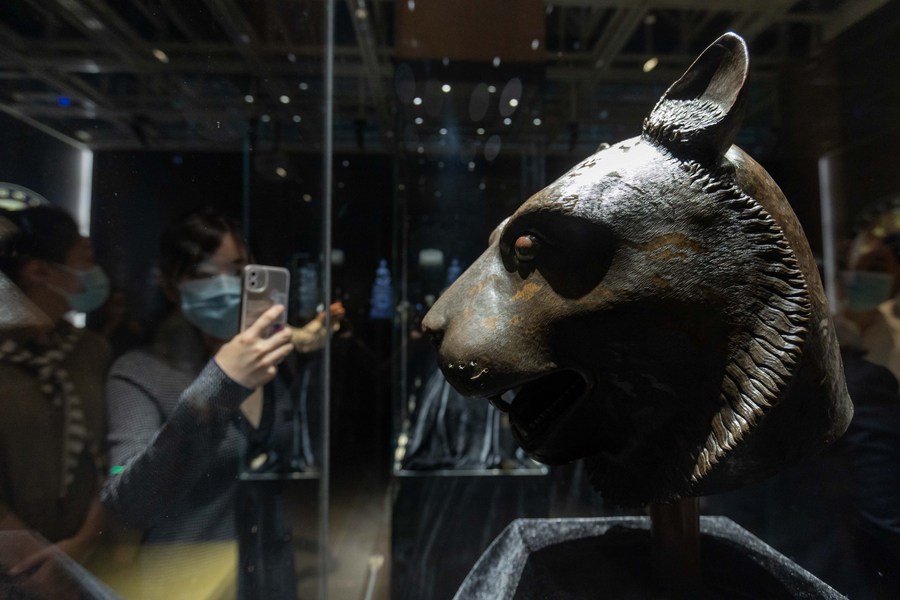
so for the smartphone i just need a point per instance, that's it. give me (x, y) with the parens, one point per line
(263, 286)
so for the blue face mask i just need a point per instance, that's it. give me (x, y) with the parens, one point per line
(213, 304)
(94, 285)
(866, 290)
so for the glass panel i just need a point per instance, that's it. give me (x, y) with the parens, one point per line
(370, 148)
(197, 131)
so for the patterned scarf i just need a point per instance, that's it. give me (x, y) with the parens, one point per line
(44, 363)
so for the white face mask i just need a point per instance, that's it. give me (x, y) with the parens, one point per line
(94, 288)
(213, 304)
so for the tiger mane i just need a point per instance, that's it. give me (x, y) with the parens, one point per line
(767, 351)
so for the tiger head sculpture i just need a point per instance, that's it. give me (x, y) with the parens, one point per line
(656, 310)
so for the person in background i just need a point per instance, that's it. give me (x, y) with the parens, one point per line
(177, 434)
(870, 316)
(51, 390)
(174, 442)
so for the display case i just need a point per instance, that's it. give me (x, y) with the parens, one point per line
(372, 148)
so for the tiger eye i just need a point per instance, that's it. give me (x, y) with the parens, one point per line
(526, 247)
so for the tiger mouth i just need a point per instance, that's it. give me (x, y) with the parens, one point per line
(541, 403)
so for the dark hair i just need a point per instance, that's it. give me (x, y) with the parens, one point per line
(40, 232)
(195, 236)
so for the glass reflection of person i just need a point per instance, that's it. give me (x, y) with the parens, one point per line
(173, 439)
(51, 386)
(870, 318)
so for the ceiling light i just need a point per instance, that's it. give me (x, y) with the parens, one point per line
(480, 131)
(284, 99)
(161, 56)
(507, 121)
(92, 24)
(248, 99)
(417, 101)
(304, 86)
(650, 64)
(492, 89)
(514, 102)
(296, 118)
(446, 88)
(496, 61)
(537, 121)
(535, 44)
(443, 131)
(420, 150)
(307, 198)
(419, 120)
(411, 4)
(361, 14)
(265, 118)
(281, 172)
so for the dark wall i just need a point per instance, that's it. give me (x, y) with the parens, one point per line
(844, 102)
(33, 159)
(137, 193)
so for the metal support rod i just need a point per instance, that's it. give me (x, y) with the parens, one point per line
(327, 175)
(675, 535)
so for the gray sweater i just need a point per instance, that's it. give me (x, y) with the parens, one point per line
(173, 446)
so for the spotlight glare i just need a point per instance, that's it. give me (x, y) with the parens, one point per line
(161, 56)
(650, 64)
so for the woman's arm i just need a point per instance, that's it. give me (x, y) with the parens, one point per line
(154, 463)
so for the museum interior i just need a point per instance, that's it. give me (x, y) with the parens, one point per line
(167, 433)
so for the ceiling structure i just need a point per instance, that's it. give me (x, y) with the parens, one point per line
(205, 75)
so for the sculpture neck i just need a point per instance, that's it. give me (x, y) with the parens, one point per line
(675, 533)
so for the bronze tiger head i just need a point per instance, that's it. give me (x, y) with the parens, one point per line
(657, 309)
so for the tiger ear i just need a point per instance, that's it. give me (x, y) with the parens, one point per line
(699, 115)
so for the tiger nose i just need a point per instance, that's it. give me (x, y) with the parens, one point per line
(433, 325)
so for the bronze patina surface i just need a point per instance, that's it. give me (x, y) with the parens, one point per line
(657, 309)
